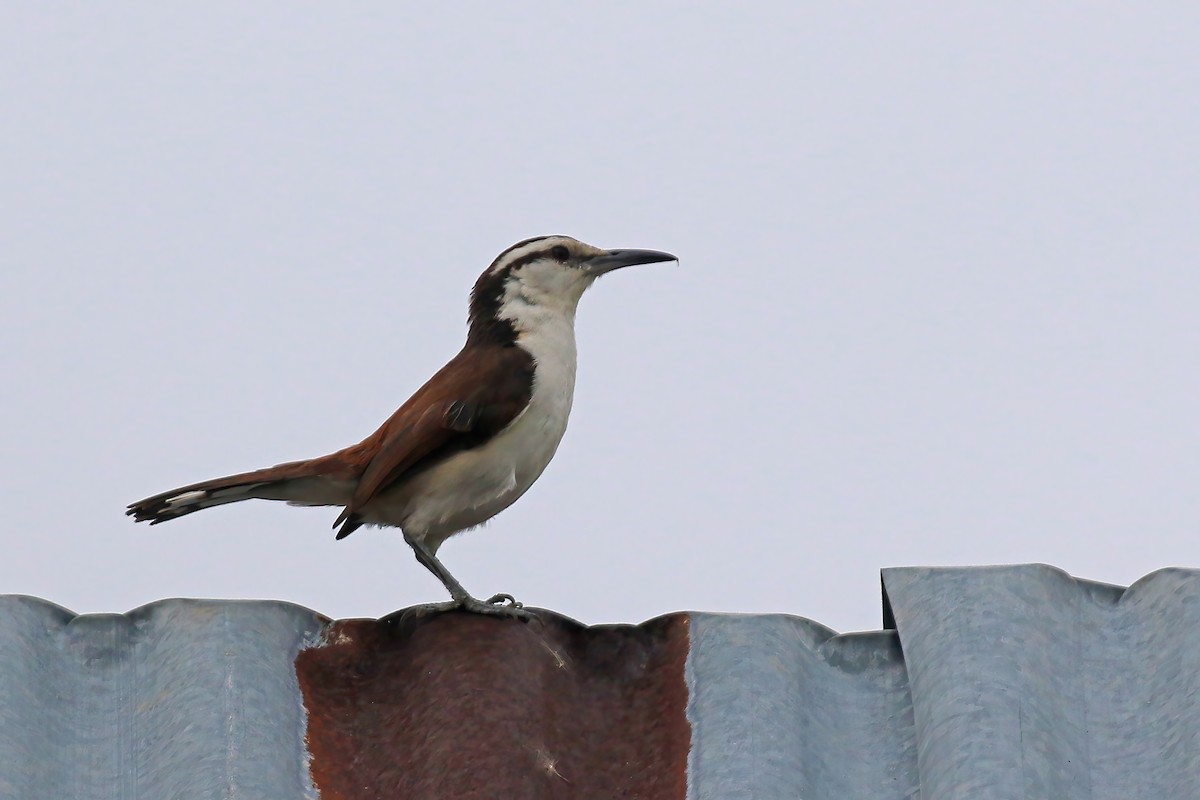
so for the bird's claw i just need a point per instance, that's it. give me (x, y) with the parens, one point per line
(499, 605)
(505, 599)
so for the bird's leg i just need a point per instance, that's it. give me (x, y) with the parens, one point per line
(431, 563)
(500, 605)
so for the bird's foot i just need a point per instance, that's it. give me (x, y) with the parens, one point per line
(500, 605)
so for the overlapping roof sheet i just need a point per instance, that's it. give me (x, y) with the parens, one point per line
(990, 682)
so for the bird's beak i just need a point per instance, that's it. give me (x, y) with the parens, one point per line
(615, 259)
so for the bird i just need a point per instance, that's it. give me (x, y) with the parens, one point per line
(469, 442)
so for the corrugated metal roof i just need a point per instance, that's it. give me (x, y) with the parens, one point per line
(783, 707)
(178, 699)
(1026, 682)
(992, 682)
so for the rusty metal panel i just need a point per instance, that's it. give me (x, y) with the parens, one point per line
(182, 699)
(463, 706)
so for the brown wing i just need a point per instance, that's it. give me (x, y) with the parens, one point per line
(468, 401)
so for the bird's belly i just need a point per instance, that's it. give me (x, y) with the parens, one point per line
(472, 486)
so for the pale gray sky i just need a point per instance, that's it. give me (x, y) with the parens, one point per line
(938, 300)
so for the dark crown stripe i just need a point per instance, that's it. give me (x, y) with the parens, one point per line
(517, 246)
(488, 294)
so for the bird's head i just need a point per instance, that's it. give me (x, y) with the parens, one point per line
(543, 278)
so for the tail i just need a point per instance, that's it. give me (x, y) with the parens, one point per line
(300, 483)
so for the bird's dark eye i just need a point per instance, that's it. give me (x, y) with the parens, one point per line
(560, 253)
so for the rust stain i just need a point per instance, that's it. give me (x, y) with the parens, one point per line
(461, 706)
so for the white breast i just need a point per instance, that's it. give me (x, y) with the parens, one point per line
(473, 486)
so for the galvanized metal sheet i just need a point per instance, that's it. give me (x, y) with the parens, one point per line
(998, 682)
(182, 699)
(1029, 683)
(782, 707)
